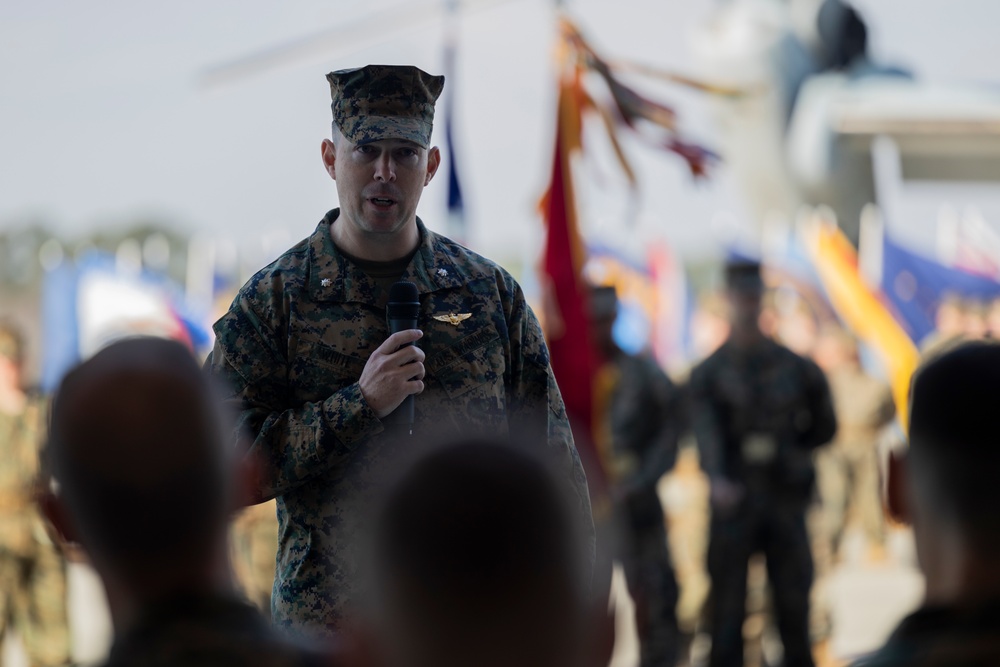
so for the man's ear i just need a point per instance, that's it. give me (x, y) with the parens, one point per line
(329, 154)
(57, 514)
(897, 488)
(433, 162)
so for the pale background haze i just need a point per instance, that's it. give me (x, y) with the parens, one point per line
(103, 117)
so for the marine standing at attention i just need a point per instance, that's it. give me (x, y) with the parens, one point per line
(306, 350)
(758, 412)
(643, 416)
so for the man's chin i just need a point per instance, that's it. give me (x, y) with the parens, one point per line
(384, 227)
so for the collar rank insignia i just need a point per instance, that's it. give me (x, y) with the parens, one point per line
(453, 318)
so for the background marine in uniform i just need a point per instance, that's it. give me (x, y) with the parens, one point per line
(32, 569)
(640, 421)
(758, 412)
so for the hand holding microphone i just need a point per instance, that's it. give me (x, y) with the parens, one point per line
(395, 370)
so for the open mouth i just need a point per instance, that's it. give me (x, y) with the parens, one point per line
(382, 202)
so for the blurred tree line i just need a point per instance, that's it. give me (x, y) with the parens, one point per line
(30, 248)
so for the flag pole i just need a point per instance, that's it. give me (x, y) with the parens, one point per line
(457, 221)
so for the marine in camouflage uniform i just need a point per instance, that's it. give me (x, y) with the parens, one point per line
(641, 420)
(847, 470)
(759, 411)
(32, 570)
(300, 333)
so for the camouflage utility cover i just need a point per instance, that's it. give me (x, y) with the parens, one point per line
(292, 348)
(384, 102)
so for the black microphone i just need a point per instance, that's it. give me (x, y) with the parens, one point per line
(401, 313)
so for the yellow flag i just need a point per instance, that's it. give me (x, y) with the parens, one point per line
(859, 307)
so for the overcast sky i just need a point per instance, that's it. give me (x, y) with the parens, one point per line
(102, 116)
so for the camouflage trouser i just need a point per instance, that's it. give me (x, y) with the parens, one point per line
(33, 604)
(848, 484)
(641, 547)
(255, 546)
(779, 531)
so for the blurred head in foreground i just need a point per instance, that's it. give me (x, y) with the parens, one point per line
(475, 562)
(143, 478)
(946, 484)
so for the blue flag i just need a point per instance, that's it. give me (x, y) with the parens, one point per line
(915, 286)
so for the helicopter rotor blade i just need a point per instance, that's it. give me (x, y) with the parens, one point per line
(344, 38)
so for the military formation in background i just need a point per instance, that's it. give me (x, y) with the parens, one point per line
(637, 452)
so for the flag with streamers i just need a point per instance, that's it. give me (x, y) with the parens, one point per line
(653, 122)
(583, 379)
(565, 296)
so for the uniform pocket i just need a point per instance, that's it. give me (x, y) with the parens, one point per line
(470, 363)
(318, 371)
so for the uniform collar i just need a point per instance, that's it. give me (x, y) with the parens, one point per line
(332, 277)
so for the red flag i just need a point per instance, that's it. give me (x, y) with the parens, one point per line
(574, 361)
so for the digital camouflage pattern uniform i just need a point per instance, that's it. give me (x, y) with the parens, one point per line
(32, 571)
(204, 631)
(758, 414)
(847, 470)
(292, 348)
(644, 418)
(940, 637)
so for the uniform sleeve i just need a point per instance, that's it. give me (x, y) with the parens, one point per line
(659, 401)
(706, 422)
(537, 412)
(288, 444)
(820, 428)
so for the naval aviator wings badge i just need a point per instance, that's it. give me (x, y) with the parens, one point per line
(453, 319)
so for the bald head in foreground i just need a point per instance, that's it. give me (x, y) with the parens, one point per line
(145, 485)
(475, 560)
(947, 485)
